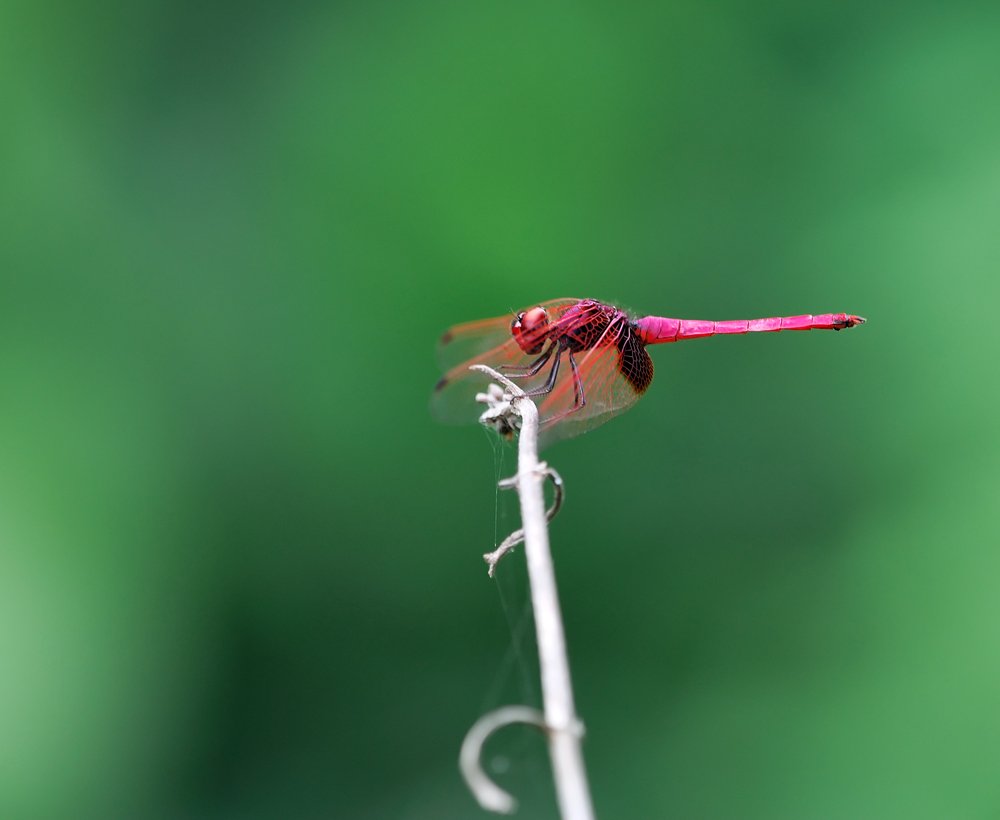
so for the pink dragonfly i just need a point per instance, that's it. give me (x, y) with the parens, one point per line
(582, 360)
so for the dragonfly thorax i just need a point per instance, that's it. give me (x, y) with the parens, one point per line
(589, 324)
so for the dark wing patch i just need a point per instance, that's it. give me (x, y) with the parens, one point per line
(634, 362)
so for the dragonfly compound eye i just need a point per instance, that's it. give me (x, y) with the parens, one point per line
(530, 328)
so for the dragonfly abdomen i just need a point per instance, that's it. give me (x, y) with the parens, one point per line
(660, 330)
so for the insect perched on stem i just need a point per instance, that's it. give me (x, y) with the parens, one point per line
(582, 360)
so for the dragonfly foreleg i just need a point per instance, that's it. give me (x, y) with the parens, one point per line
(550, 383)
(579, 399)
(527, 371)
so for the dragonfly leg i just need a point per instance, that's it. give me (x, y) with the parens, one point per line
(527, 371)
(550, 383)
(579, 399)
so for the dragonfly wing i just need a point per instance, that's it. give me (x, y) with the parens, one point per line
(454, 397)
(487, 341)
(614, 374)
(466, 341)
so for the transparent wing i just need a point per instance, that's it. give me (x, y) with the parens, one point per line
(464, 342)
(613, 374)
(454, 398)
(487, 341)
(472, 339)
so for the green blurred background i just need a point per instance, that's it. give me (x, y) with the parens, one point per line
(240, 571)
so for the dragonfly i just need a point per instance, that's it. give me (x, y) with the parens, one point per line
(583, 361)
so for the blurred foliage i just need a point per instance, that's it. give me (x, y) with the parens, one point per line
(240, 570)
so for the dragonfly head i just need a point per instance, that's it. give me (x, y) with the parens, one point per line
(530, 329)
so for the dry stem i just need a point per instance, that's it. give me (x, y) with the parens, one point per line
(562, 725)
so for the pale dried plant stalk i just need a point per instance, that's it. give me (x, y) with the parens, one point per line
(508, 411)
